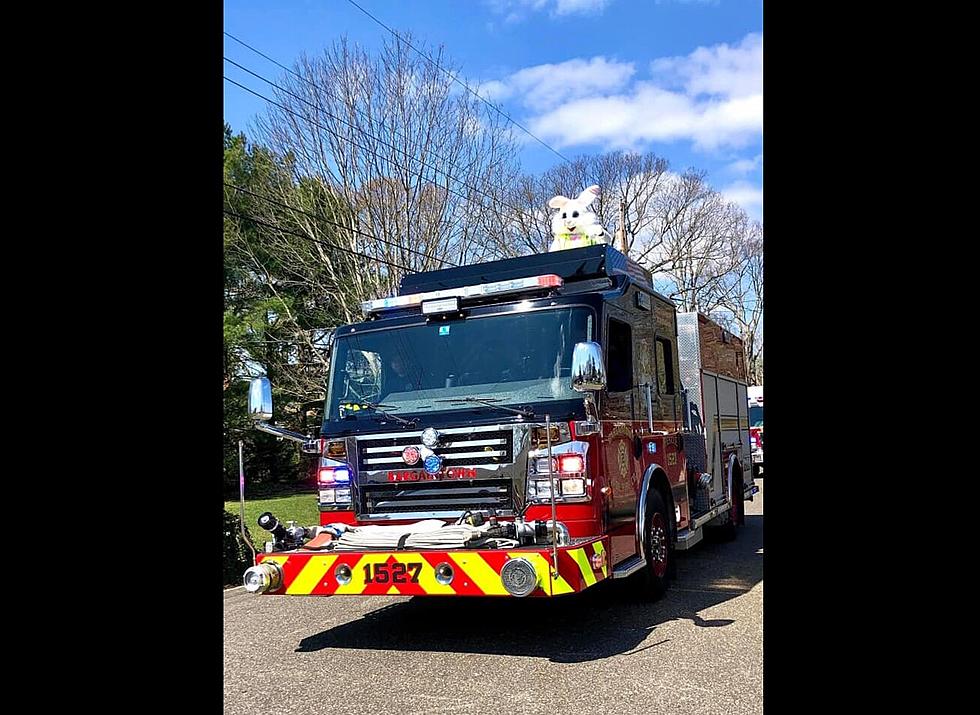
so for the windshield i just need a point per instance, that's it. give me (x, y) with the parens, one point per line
(755, 417)
(515, 359)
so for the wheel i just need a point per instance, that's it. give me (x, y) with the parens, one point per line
(736, 515)
(659, 548)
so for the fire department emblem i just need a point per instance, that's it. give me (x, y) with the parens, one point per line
(624, 460)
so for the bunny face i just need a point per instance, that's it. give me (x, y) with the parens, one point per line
(573, 214)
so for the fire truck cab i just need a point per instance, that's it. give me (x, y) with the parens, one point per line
(530, 426)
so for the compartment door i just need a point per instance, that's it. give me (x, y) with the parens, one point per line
(709, 395)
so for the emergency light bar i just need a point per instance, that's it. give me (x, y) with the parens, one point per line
(516, 285)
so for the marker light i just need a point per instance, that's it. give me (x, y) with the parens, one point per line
(336, 450)
(496, 288)
(433, 463)
(329, 475)
(563, 463)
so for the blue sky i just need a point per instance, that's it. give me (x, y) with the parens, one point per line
(682, 78)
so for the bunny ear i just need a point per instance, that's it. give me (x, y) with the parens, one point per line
(589, 195)
(558, 201)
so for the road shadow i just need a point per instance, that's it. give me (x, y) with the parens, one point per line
(606, 620)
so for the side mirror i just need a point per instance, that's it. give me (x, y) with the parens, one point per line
(260, 400)
(588, 370)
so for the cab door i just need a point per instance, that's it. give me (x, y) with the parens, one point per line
(619, 410)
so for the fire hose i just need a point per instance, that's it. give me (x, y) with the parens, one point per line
(430, 534)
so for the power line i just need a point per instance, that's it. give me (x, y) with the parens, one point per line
(382, 141)
(317, 217)
(314, 240)
(314, 85)
(371, 136)
(465, 86)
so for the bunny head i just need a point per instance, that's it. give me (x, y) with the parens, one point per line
(573, 215)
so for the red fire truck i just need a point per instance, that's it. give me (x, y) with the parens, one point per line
(525, 427)
(755, 429)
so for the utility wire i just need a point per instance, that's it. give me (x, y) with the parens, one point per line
(314, 240)
(465, 86)
(318, 217)
(324, 88)
(380, 141)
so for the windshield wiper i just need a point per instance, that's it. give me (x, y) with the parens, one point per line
(490, 402)
(376, 405)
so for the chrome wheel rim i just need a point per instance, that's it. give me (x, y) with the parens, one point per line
(657, 544)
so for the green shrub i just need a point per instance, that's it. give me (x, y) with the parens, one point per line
(237, 555)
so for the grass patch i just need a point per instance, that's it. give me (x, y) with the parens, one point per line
(301, 508)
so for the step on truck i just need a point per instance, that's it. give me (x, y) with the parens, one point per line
(524, 427)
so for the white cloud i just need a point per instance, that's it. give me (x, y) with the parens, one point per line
(746, 195)
(548, 85)
(744, 166)
(711, 97)
(648, 114)
(517, 10)
(584, 7)
(721, 70)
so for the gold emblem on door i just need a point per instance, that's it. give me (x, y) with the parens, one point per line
(624, 460)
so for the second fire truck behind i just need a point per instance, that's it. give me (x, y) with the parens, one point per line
(527, 427)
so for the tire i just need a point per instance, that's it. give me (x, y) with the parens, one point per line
(736, 515)
(659, 548)
(725, 532)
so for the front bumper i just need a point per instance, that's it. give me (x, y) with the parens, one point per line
(477, 572)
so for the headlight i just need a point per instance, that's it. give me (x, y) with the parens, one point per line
(572, 487)
(541, 488)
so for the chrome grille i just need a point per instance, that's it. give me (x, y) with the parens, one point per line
(459, 449)
(440, 496)
(484, 450)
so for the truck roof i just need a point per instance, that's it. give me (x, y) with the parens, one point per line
(572, 265)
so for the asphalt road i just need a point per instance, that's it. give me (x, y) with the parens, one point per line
(697, 650)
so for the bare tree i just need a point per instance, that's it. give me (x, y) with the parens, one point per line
(631, 180)
(696, 245)
(743, 301)
(412, 159)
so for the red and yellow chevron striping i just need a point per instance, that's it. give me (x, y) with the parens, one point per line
(413, 573)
